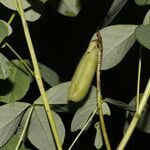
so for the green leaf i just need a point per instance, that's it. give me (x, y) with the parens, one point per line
(142, 2)
(11, 4)
(84, 112)
(23, 148)
(48, 75)
(142, 34)
(98, 138)
(144, 121)
(147, 18)
(10, 116)
(66, 7)
(56, 95)
(5, 31)
(11, 144)
(4, 67)
(32, 8)
(43, 1)
(117, 40)
(32, 15)
(34, 12)
(19, 80)
(39, 132)
(106, 110)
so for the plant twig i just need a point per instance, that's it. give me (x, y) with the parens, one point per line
(99, 95)
(24, 128)
(38, 76)
(19, 57)
(136, 117)
(138, 80)
(11, 18)
(84, 127)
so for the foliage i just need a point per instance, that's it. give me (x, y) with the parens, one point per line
(20, 119)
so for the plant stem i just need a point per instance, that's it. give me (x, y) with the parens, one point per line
(38, 76)
(88, 121)
(11, 18)
(19, 57)
(136, 117)
(138, 80)
(99, 95)
(24, 129)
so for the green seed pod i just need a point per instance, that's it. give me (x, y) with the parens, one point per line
(84, 73)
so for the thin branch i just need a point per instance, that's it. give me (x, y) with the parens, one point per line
(99, 95)
(136, 117)
(38, 76)
(11, 18)
(84, 127)
(138, 80)
(19, 57)
(24, 129)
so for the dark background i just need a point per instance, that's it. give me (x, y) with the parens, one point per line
(60, 41)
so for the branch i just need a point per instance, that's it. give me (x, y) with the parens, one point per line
(136, 117)
(99, 95)
(38, 75)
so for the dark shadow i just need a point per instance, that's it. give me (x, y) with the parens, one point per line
(6, 86)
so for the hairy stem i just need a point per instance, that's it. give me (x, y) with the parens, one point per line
(136, 117)
(99, 95)
(24, 129)
(38, 76)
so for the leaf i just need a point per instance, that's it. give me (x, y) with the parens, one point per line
(84, 112)
(147, 18)
(115, 8)
(11, 4)
(32, 8)
(49, 75)
(4, 67)
(98, 138)
(142, 2)
(66, 7)
(19, 82)
(11, 144)
(117, 40)
(106, 110)
(32, 15)
(35, 10)
(56, 95)
(23, 148)
(5, 31)
(39, 124)
(10, 116)
(142, 34)
(144, 121)
(119, 104)
(43, 1)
